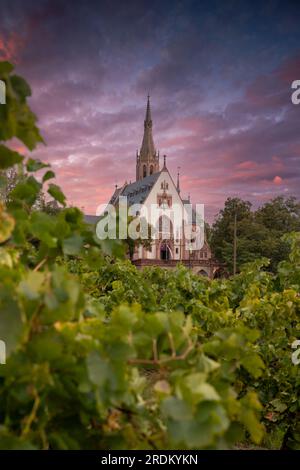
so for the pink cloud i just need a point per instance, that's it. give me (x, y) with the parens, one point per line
(247, 165)
(277, 180)
(222, 153)
(10, 47)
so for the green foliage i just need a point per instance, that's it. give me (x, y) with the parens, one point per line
(16, 118)
(259, 233)
(8, 157)
(247, 324)
(101, 355)
(73, 371)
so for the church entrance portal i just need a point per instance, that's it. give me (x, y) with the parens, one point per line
(165, 252)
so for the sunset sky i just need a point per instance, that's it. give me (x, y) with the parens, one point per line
(219, 75)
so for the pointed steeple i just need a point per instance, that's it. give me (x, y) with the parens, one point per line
(148, 111)
(147, 150)
(147, 160)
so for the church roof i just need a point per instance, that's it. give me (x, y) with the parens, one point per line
(138, 191)
(115, 195)
(91, 219)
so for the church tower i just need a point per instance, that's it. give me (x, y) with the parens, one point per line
(147, 161)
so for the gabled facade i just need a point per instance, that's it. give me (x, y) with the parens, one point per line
(154, 187)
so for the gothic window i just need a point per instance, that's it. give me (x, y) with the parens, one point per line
(165, 226)
(162, 185)
(151, 169)
(144, 171)
(176, 251)
(165, 252)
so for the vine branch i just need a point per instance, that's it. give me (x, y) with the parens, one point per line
(156, 361)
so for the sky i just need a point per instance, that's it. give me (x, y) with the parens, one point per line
(219, 75)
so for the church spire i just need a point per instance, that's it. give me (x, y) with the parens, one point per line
(148, 159)
(148, 111)
(147, 149)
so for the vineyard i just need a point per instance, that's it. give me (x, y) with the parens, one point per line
(100, 355)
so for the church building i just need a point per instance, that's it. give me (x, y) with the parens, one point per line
(155, 187)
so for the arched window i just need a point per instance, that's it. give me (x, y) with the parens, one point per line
(202, 273)
(144, 171)
(165, 226)
(165, 251)
(151, 169)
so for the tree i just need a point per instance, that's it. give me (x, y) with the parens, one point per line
(222, 232)
(279, 216)
(11, 177)
(259, 233)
